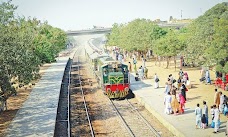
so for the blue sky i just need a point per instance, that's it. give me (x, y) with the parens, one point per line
(83, 14)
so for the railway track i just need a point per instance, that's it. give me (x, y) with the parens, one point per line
(80, 120)
(135, 124)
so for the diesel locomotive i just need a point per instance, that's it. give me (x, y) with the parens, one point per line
(113, 77)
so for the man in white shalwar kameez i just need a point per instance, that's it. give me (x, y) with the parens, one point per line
(167, 103)
(156, 81)
(140, 72)
(216, 119)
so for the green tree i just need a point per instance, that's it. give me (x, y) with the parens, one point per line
(20, 54)
(49, 42)
(168, 46)
(202, 35)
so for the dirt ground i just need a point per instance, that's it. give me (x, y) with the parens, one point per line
(15, 102)
(197, 94)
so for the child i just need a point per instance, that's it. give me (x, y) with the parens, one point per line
(212, 116)
(203, 121)
(212, 113)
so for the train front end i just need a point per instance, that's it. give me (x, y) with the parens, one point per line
(116, 80)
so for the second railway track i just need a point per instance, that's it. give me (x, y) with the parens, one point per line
(80, 120)
(134, 122)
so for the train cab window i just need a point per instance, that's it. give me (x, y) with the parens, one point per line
(105, 72)
(119, 70)
(114, 70)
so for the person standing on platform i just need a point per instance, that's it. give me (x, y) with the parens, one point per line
(179, 82)
(221, 103)
(167, 103)
(171, 78)
(217, 98)
(156, 81)
(117, 55)
(145, 73)
(212, 114)
(130, 67)
(182, 103)
(185, 77)
(205, 111)
(202, 72)
(140, 72)
(216, 119)
(183, 91)
(135, 62)
(120, 58)
(198, 113)
(203, 121)
(174, 103)
(208, 79)
(181, 73)
(167, 88)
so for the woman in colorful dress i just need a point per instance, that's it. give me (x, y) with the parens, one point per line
(182, 104)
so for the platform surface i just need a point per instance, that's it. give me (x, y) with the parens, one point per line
(182, 125)
(37, 116)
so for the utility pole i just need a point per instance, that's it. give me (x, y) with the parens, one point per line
(181, 14)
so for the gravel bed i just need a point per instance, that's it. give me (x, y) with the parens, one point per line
(79, 121)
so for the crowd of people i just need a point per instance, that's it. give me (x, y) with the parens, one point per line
(175, 94)
(142, 72)
(220, 107)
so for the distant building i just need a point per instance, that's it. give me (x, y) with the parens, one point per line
(173, 23)
(173, 20)
(97, 27)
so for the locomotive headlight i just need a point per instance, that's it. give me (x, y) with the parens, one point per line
(126, 89)
(108, 90)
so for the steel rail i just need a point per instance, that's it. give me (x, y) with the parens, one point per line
(122, 119)
(144, 120)
(86, 108)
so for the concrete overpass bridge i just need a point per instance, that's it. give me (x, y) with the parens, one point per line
(89, 31)
(108, 30)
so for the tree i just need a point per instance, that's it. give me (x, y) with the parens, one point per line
(18, 61)
(219, 48)
(7, 12)
(157, 33)
(20, 54)
(113, 38)
(202, 35)
(49, 42)
(168, 46)
(134, 36)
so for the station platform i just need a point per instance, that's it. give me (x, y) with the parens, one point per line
(37, 116)
(182, 125)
